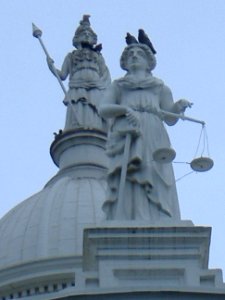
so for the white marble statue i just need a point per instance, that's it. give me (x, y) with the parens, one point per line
(134, 104)
(88, 78)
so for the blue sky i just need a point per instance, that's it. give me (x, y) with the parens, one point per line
(189, 37)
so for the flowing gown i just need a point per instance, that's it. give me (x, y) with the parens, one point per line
(150, 191)
(88, 78)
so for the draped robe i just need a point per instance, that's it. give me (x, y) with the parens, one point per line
(150, 191)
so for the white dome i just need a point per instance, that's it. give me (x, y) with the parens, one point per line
(50, 223)
(42, 238)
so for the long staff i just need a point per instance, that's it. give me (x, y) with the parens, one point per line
(38, 33)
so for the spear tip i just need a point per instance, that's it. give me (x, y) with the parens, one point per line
(36, 31)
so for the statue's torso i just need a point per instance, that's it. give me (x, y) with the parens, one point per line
(140, 100)
(85, 65)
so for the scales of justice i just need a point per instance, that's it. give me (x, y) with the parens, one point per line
(115, 133)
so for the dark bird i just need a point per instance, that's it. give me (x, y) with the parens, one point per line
(57, 134)
(130, 39)
(87, 45)
(144, 39)
(98, 48)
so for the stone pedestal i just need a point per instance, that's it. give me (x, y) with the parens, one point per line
(163, 257)
(133, 261)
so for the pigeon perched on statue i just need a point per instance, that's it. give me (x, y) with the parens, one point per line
(144, 39)
(98, 48)
(130, 39)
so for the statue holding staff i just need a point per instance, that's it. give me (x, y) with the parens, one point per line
(137, 105)
(88, 78)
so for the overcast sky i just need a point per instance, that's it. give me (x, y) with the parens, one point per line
(189, 36)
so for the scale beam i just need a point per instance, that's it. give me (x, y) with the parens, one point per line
(182, 117)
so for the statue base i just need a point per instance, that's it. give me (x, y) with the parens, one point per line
(148, 256)
(140, 262)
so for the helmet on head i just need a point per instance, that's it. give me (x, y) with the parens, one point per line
(84, 26)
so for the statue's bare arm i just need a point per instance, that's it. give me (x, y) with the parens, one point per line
(65, 70)
(167, 104)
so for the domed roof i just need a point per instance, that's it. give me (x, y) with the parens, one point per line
(51, 222)
(42, 237)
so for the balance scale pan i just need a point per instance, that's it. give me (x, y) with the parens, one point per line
(202, 164)
(164, 155)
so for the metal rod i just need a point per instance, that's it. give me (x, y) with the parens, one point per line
(170, 114)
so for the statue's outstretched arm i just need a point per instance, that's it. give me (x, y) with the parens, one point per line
(167, 104)
(64, 72)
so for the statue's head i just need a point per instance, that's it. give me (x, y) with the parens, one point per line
(144, 57)
(84, 33)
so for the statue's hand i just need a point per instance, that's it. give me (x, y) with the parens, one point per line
(65, 102)
(50, 63)
(182, 105)
(132, 117)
